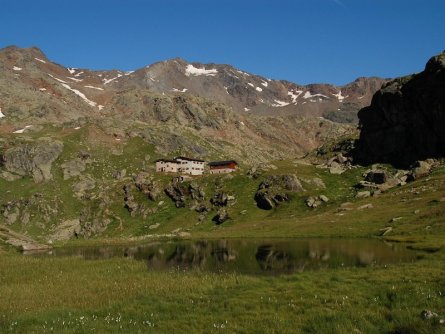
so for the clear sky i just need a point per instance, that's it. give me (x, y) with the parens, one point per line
(303, 41)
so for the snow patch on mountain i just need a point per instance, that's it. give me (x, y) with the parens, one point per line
(192, 70)
(92, 87)
(280, 104)
(72, 70)
(59, 80)
(294, 95)
(309, 95)
(1, 114)
(179, 91)
(107, 81)
(259, 89)
(75, 79)
(243, 73)
(340, 97)
(82, 95)
(40, 60)
(24, 129)
(265, 84)
(15, 68)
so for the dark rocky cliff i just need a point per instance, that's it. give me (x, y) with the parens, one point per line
(406, 119)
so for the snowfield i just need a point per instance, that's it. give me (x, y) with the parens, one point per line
(24, 129)
(192, 70)
(340, 97)
(294, 95)
(179, 91)
(279, 104)
(107, 81)
(75, 79)
(82, 95)
(92, 87)
(308, 95)
(59, 80)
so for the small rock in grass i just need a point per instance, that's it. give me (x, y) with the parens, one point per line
(363, 194)
(385, 231)
(324, 198)
(427, 315)
(366, 206)
(153, 226)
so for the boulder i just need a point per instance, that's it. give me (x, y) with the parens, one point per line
(221, 217)
(313, 202)
(119, 174)
(377, 176)
(220, 199)
(263, 201)
(9, 176)
(145, 184)
(419, 169)
(336, 168)
(130, 204)
(86, 184)
(363, 194)
(324, 198)
(365, 206)
(427, 315)
(177, 194)
(33, 159)
(196, 192)
(73, 168)
(201, 208)
(66, 230)
(276, 189)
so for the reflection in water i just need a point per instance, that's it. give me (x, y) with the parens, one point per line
(252, 256)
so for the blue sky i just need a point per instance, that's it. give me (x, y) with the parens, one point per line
(303, 41)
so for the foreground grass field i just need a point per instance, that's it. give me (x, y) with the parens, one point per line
(64, 295)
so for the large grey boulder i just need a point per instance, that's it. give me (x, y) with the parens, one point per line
(34, 159)
(276, 189)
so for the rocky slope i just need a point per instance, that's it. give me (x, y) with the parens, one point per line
(201, 110)
(406, 119)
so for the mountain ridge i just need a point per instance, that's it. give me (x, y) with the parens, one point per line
(191, 108)
(245, 92)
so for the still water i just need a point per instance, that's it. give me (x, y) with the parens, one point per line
(251, 256)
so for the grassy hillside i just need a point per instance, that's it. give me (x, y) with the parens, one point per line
(417, 206)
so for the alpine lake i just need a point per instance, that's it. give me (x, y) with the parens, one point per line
(247, 256)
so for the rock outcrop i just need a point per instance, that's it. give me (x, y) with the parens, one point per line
(276, 189)
(33, 159)
(406, 118)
